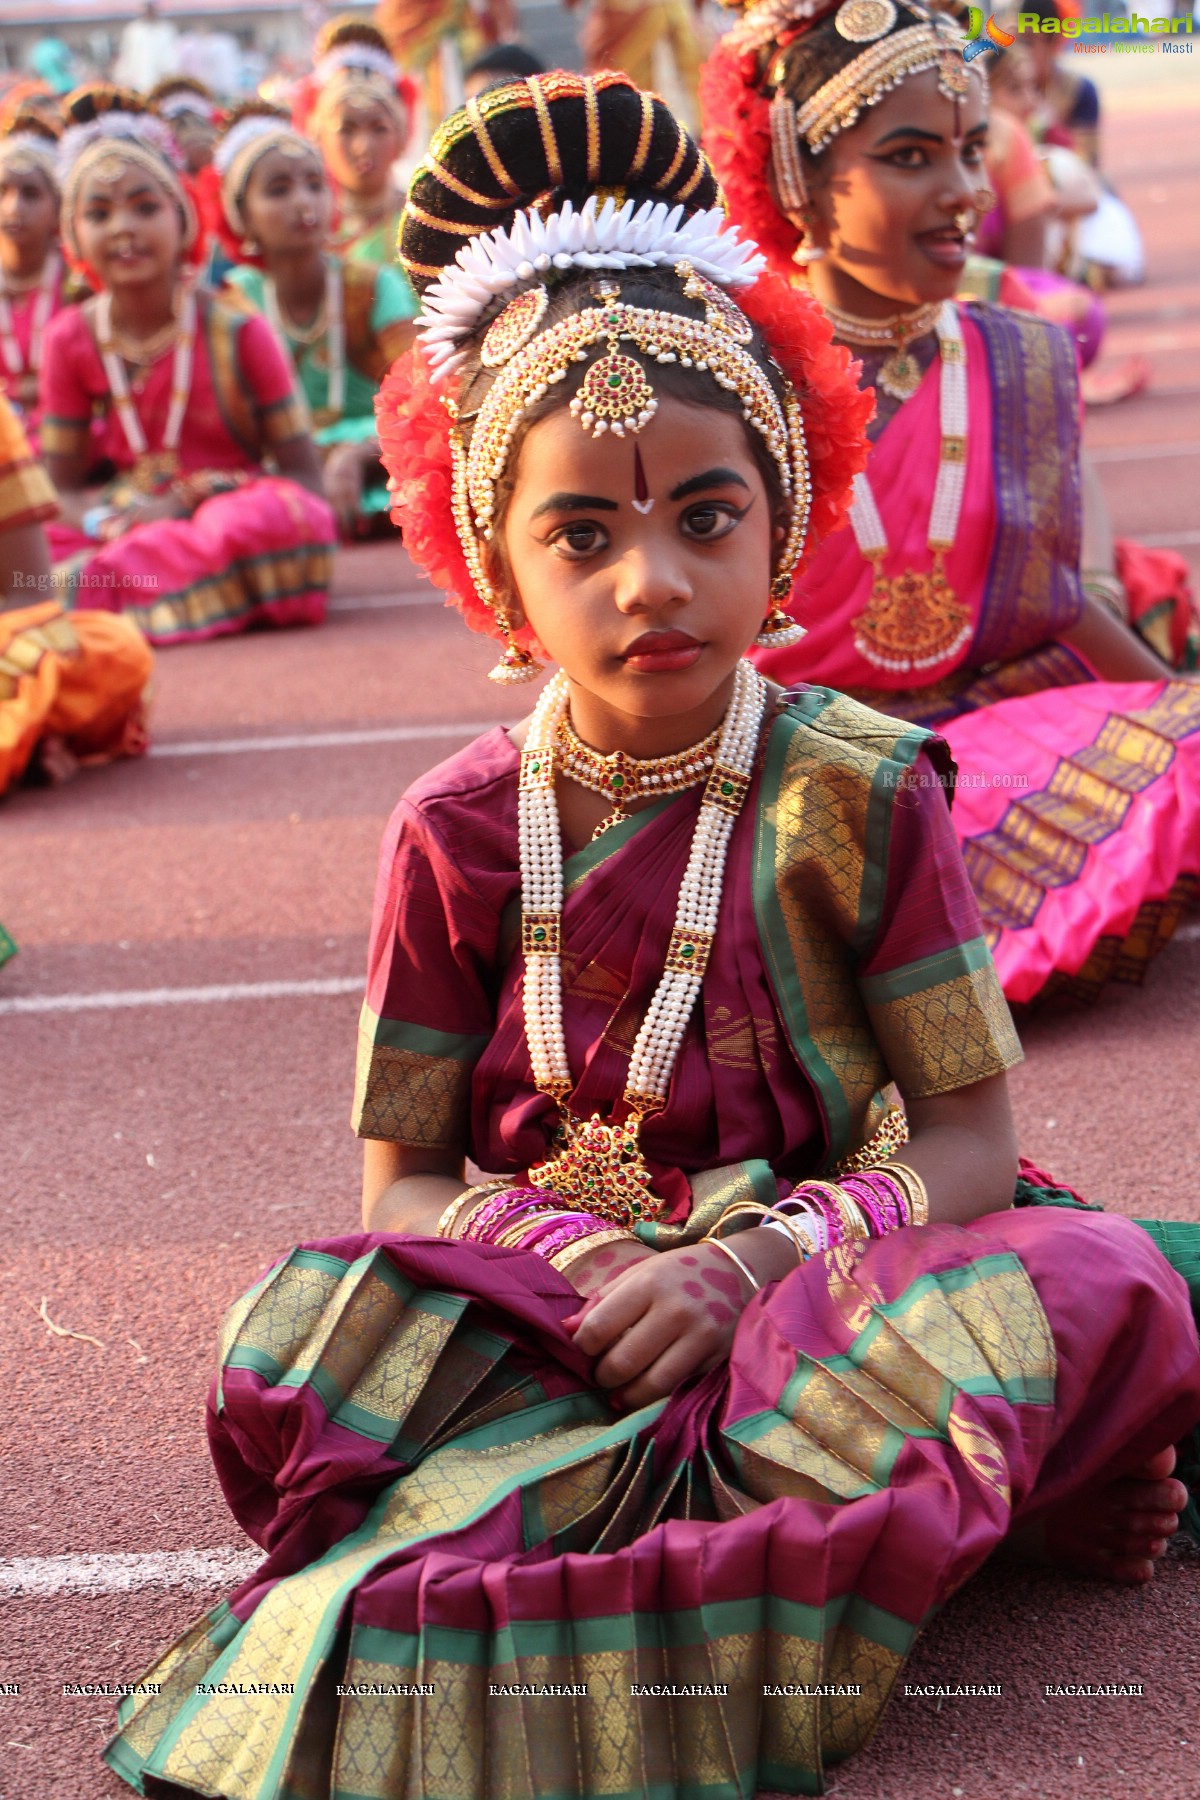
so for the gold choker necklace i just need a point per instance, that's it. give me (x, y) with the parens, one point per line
(621, 778)
(900, 373)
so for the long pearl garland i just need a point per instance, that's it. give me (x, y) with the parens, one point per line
(944, 513)
(118, 384)
(661, 1034)
(952, 465)
(11, 349)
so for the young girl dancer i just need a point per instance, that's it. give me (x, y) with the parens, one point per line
(358, 108)
(636, 1469)
(343, 322)
(974, 567)
(31, 268)
(194, 537)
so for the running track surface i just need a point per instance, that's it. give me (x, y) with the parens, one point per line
(156, 1155)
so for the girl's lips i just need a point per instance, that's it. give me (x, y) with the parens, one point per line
(948, 252)
(662, 652)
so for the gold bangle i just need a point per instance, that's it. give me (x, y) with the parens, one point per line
(854, 1223)
(562, 1259)
(733, 1256)
(445, 1225)
(739, 1207)
(914, 1188)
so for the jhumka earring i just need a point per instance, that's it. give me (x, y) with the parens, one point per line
(516, 665)
(248, 247)
(779, 630)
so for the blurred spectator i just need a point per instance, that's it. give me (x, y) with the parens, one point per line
(213, 58)
(52, 62)
(149, 50)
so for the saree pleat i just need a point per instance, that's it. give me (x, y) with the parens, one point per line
(448, 1536)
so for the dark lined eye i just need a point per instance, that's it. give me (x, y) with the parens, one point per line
(712, 519)
(579, 539)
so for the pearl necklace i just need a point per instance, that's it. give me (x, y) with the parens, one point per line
(621, 778)
(329, 324)
(150, 470)
(14, 362)
(598, 1164)
(915, 621)
(899, 374)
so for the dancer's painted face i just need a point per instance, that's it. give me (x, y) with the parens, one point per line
(888, 191)
(128, 225)
(28, 209)
(360, 147)
(287, 204)
(646, 587)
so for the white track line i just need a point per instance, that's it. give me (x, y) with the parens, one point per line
(183, 996)
(1187, 934)
(325, 740)
(123, 1572)
(1113, 453)
(350, 603)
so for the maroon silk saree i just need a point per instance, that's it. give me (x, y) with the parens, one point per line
(480, 1580)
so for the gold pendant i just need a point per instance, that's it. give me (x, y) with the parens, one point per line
(154, 471)
(911, 621)
(599, 1168)
(900, 375)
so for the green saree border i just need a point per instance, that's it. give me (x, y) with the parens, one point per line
(928, 972)
(584, 862)
(571, 1408)
(768, 912)
(398, 1034)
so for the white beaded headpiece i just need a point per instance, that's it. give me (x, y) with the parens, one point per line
(30, 150)
(136, 128)
(141, 138)
(183, 102)
(600, 235)
(354, 55)
(241, 147)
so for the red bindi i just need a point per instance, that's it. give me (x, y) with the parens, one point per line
(641, 487)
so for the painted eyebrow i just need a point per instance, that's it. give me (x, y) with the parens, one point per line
(927, 137)
(574, 503)
(710, 479)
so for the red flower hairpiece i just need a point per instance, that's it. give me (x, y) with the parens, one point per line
(737, 137)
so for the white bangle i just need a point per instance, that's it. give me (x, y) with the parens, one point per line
(776, 1225)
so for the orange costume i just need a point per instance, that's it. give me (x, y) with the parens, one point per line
(78, 677)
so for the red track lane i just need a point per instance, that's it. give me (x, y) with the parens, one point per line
(154, 1159)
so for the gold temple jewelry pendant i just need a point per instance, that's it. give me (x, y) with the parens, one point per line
(900, 375)
(912, 621)
(600, 1169)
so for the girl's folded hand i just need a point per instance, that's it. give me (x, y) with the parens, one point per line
(663, 1319)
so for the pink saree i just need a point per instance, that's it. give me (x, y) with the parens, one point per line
(1078, 804)
(259, 555)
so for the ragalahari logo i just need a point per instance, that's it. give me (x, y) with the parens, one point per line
(981, 38)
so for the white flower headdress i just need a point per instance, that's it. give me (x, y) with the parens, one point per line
(599, 235)
(137, 128)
